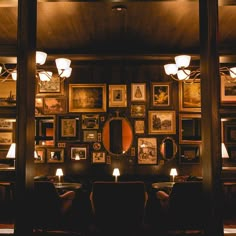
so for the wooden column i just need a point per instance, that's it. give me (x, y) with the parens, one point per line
(210, 87)
(25, 116)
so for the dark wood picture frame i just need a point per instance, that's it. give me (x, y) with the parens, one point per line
(138, 110)
(189, 154)
(55, 155)
(160, 94)
(98, 157)
(78, 152)
(41, 155)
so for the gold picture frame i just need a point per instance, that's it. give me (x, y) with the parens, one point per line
(138, 92)
(87, 98)
(118, 95)
(55, 155)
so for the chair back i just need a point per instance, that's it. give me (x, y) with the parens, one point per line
(119, 205)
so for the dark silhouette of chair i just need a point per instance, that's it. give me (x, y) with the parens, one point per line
(118, 207)
(183, 208)
(51, 209)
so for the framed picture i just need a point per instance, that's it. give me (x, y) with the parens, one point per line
(40, 154)
(90, 121)
(98, 157)
(160, 94)
(138, 92)
(161, 122)
(52, 87)
(228, 91)
(3, 153)
(139, 126)
(6, 138)
(68, 127)
(190, 128)
(87, 97)
(55, 155)
(38, 106)
(117, 95)
(78, 152)
(138, 110)
(147, 151)
(229, 132)
(190, 96)
(6, 124)
(8, 93)
(189, 154)
(90, 135)
(53, 105)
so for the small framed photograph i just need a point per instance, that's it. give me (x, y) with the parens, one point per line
(68, 127)
(139, 126)
(55, 155)
(87, 98)
(54, 105)
(6, 124)
(118, 95)
(138, 111)
(39, 155)
(160, 94)
(147, 151)
(98, 157)
(78, 152)
(8, 93)
(38, 106)
(189, 154)
(228, 91)
(232, 153)
(90, 121)
(161, 122)
(6, 138)
(138, 92)
(3, 153)
(229, 129)
(90, 135)
(190, 96)
(52, 87)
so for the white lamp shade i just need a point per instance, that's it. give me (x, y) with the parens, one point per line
(45, 75)
(116, 172)
(232, 72)
(183, 74)
(173, 172)
(12, 151)
(14, 75)
(62, 63)
(171, 69)
(65, 73)
(59, 172)
(182, 61)
(40, 57)
(224, 152)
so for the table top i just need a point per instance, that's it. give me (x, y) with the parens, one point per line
(160, 185)
(67, 185)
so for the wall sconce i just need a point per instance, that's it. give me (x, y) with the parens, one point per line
(59, 173)
(12, 152)
(224, 152)
(179, 71)
(173, 173)
(116, 173)
(62, 64)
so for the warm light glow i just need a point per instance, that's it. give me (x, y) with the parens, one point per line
(40, 57)
(45, 75)
(173, 173)
(224, 152)
(232, 72)
(14, 75)
(183, 74)
(62, 63)
(182, 61)
(171, 69)
(116, 173)
(59, 173)
(12, 151)
(65, 73)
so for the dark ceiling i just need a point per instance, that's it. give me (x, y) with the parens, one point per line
(144, 28)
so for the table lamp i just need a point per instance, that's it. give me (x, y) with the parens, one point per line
(59, 173)
(116, 173)
(224, 152)
(12, 152)
(173, 173)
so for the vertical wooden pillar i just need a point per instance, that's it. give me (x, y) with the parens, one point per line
(26, 40)
(210, 85)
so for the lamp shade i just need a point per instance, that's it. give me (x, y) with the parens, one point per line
(59, 172)
(171, 69)
(62, 63)
(12, 151)
(65, 73)
(41, 57)
(116, 172)
(173, 172)
(232, 72)
(183, 74)
(45, 75)
(224, 152)
(182, 61)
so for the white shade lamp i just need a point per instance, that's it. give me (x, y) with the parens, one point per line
(59, 173)
(173, 173)
(116, 173)
(224, 152)
(12, 152)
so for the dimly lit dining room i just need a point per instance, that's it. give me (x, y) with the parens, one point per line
(118, 117)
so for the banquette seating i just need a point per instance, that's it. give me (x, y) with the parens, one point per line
(118, 207)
